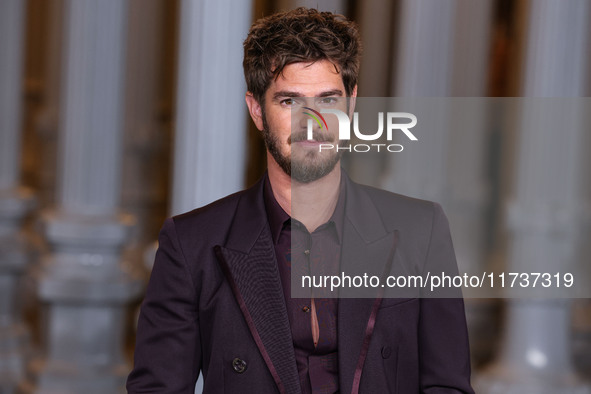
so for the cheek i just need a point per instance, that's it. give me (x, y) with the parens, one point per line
(280, 123)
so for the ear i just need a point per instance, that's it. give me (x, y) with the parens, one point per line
(255, 110)
(352, 100)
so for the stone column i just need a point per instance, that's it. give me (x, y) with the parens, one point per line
(82, 283)
(211, 120)
(424, 61)
(15, 201)
(544, 211)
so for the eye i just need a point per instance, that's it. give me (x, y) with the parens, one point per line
(288, 102)
(328, 100)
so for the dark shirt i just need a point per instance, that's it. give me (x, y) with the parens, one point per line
(320, 251)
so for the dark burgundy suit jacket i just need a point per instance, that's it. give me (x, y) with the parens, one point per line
(215, 303)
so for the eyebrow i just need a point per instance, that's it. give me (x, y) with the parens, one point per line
(286, 93)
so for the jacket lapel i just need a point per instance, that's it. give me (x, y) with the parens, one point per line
(249, 263)
(368, 247)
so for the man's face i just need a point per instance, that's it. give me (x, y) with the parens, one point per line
(315, 85)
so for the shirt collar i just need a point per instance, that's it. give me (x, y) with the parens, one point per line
(277, 217)
(338, 216)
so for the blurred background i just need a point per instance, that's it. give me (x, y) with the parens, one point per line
(115, 114)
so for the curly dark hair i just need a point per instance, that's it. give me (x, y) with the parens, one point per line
(300, 35)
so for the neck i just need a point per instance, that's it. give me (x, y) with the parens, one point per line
(311, 203)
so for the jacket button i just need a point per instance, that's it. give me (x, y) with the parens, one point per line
(386, 352)
(239, 365)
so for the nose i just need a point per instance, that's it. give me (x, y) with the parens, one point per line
(312, 119)
(304, 121)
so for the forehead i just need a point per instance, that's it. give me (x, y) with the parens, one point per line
(308, 78)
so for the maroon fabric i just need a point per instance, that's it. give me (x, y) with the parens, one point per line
(192, 321)
(319, 253)
(372, 321)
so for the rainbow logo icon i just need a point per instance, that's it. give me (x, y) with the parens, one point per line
(315, 117)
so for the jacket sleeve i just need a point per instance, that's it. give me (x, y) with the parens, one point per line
(444, 350)
(167, 356)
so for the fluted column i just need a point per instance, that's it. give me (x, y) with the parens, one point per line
(544, 211)
(82, 283)
(15, 201)
(210, 136)
(424, 63)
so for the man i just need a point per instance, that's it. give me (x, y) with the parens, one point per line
(219, 296)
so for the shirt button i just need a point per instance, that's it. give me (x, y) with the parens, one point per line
(386, 352)
(306, 309)
(307, 252)
(239, 365)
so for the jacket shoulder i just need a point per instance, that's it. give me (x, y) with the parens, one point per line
(401, 209)
(210, 225)
(217, 211)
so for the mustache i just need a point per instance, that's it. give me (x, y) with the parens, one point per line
(303, 136)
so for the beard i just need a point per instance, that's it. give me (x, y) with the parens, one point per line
(313, 166)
